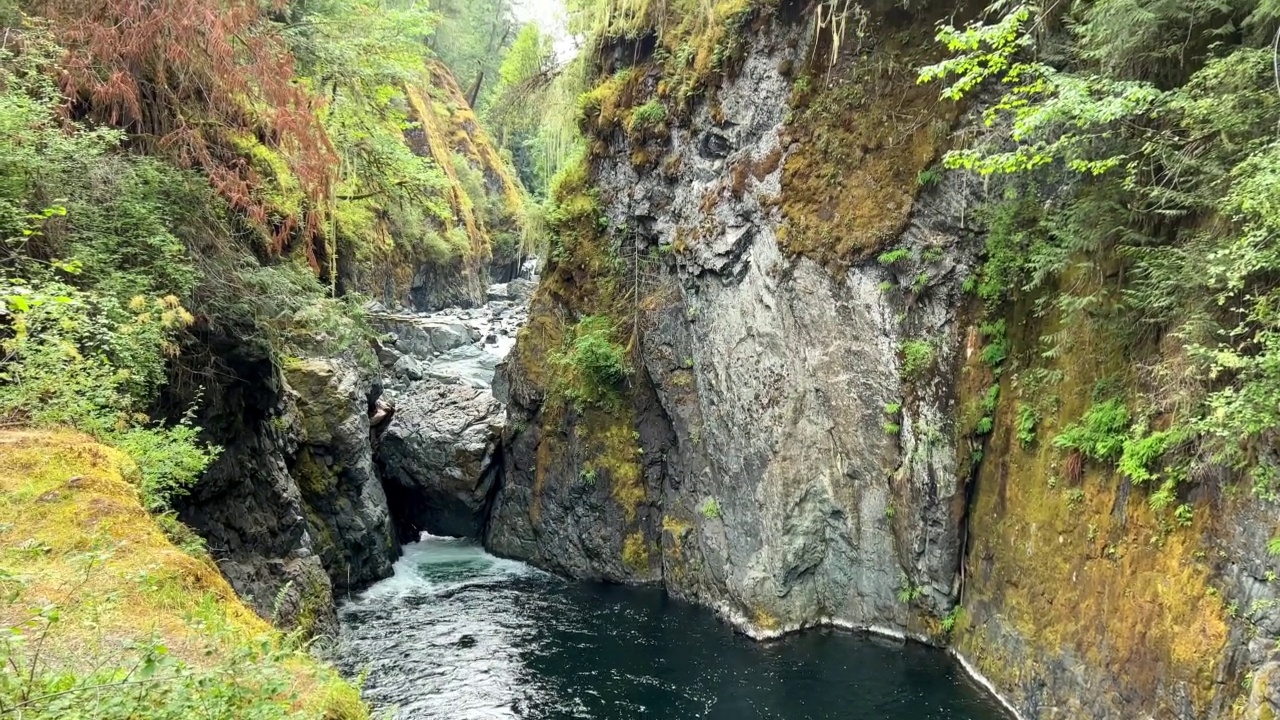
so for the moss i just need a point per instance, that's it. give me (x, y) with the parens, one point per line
(635, 552)
(678, 529)
(613, 449)
(765, 620)
(861, 141)
(63, 496)
(1089, 569)
(313, 477)
(284, 193)
(606, 107)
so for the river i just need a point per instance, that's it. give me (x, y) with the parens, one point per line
(457, 634)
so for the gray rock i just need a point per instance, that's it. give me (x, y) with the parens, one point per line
(521, 290)
(438, 458)
(425, 336)
(388, 356)
(343, 500)
(409, 367)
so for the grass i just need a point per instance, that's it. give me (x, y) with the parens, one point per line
(74, 536)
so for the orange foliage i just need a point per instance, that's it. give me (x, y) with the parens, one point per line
(186, 76)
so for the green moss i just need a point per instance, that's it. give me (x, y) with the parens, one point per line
(862, 139)
(67, 496)
(1062, 569)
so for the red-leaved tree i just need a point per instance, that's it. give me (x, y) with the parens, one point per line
(195, 80)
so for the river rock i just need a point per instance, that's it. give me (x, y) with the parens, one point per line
(408, 366)
(423, 336)
(438, 458)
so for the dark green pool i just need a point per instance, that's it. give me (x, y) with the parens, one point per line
(458, 634)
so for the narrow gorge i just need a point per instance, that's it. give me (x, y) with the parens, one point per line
(639, 358)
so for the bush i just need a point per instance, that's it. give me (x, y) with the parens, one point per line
(710, 508)
(1100, 434)
(80, 359)
(593, 365)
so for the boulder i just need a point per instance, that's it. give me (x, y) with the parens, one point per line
(438, 458)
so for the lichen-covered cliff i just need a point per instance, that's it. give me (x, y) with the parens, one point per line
(757, 373)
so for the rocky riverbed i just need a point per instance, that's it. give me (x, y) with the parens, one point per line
(438, 454)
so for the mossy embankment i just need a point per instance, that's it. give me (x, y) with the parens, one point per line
(108, 618)
(1072, 579)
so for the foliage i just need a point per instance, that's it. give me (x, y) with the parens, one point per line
(474, 38)
(190, 79)
(893, 257)
(593, 364)
(917, 357)
(1025, 426)
(148, 683)
(1100, 434)
(951, 618)
(908, 593)
(710, 508)
(111, 620)
(1143, 148)
(649, 115)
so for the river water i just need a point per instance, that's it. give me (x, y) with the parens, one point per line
(457, 634)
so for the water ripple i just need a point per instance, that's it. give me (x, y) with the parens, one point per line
(457, 634)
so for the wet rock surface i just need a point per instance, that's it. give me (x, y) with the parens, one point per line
(343, 500)
(772, 489)
(438, 456)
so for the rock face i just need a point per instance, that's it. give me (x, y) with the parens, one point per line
(346, 509)
(773, 489)
(811, 437)
(247, 506)
(439, 456)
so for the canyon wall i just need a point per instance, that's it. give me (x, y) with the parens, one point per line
(822, 426)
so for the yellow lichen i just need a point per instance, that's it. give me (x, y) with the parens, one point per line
(635, 552)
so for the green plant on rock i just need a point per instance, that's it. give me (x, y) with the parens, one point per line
(710, 508)
(1025, 427)
(917, 357)
(951, 618)
(1100, 434)
(648, 116)
(908, 593)
(1273, 546)
(893, 257)
(593, 365)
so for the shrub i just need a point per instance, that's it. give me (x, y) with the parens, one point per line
(710, 508)
(592, 363)
(80, 359)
